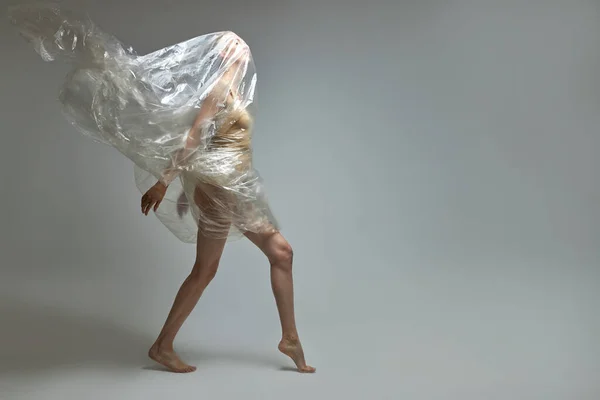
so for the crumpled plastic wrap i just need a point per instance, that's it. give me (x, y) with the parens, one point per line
(183, 114)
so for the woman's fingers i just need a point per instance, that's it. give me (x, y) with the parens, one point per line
(147, 198)
(149, 206)
(146, 204)
(156, 205)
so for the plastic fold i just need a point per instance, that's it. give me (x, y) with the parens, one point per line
(183, 114)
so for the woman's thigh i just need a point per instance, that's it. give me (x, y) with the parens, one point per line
(215, 211)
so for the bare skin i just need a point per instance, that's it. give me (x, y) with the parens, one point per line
(280, 255)
(208, 255)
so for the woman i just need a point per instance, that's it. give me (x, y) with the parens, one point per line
(179, 112)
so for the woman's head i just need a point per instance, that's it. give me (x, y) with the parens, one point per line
(232, 48)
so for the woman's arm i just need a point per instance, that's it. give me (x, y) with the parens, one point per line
(154, 196)
(208, 110)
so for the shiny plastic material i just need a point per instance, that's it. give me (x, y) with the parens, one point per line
(182, 114)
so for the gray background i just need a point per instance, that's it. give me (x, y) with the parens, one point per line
(433, 163)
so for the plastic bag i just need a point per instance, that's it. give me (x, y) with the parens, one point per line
(183, 114)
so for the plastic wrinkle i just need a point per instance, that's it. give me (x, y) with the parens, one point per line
(183, 114)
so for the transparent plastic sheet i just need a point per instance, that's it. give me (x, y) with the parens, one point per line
(183, 114)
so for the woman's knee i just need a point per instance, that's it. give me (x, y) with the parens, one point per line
(281, 254)
(275, 247)
(204, 272)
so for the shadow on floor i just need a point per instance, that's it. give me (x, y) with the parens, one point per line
(38, 338)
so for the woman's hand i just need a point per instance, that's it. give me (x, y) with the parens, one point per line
(153, 197)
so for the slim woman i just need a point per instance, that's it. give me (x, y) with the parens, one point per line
(217, 211)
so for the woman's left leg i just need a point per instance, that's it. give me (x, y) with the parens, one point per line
(212, 236)
(280, 255)
(208, 255)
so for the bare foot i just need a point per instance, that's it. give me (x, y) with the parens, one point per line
(170, 360)
(293, 349)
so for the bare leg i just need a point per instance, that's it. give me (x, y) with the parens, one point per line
(208, 254)
(280, 255)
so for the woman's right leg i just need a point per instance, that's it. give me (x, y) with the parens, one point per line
(208, 254)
